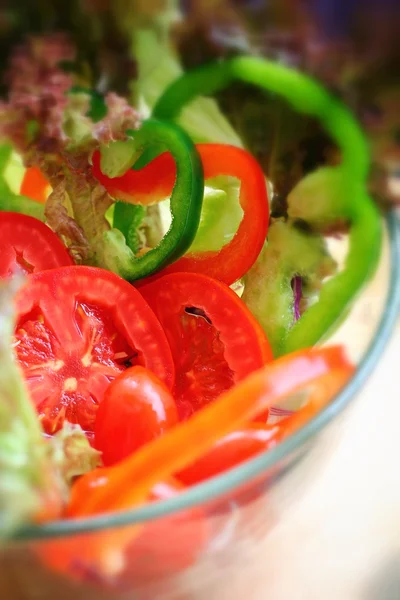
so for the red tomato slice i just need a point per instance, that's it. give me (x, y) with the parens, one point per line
(211, 350)
(137, 407)
(77, 329)
(35, 185)
(28, 244)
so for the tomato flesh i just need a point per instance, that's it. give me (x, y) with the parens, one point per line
(29, 245)
(78, 328)
(137, 407)
(202, 370)
(215, 341)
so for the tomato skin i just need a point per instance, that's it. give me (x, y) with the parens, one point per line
(29, 244)
(231, 450)
(245, 346)
(34, 185)
(136, 408)
(68, 353)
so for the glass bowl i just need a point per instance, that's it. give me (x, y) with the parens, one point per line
(191, 545)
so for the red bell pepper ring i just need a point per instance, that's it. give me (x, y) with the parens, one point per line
(154, 183)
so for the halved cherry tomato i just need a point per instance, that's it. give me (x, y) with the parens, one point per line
(155, 182)
(34, 185)
(211, 350)
(77, 329)
(136, 408)
(28, 244)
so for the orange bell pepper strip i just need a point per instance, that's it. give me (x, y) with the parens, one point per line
(130, 481)
(34, 185)
(321, 371)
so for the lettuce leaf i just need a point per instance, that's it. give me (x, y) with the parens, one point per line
(29, 485)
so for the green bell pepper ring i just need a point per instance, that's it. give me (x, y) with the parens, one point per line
(185, 202)
(353, 205)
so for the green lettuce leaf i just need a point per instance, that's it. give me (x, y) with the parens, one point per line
(28, 482)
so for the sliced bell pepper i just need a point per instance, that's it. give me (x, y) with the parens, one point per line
(253, 438)
(154, 182)
(186, 198)
(352, 204)
(127, 218)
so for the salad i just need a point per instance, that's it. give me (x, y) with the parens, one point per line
(163, 309)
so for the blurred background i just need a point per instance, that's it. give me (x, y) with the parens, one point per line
(350, 45)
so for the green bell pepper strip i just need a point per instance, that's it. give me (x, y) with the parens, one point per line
(98, 107)
(185, 202)
(354, 205)
(127, 218)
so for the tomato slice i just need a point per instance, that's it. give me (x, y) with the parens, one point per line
(137, 407)
(77, 329)
(215, 340)
(28, 244)
(34, 185)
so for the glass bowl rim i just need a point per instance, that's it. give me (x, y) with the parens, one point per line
(219, 485)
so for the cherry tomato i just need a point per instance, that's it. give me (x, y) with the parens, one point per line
(77, 329)
(215, 340)
(136, 408)
(34, 185)
(28, 244)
